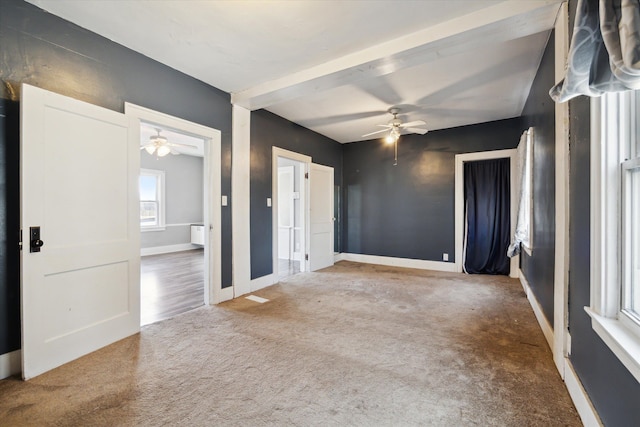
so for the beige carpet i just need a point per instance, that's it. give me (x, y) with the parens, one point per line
(350, 345)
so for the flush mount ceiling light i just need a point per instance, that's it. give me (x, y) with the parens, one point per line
(160, 146)
(395, 127)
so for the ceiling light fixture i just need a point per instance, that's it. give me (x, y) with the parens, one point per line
(158, 145)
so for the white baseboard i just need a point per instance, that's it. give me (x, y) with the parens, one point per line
(338, 257)
(157, 250)
(261, 282)
(546, 327)
(400, 262)
(581, 400)
(10, 364)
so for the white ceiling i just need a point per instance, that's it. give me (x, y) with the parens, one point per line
(336, 67)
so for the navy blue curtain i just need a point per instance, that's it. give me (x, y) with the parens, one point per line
(488, 219)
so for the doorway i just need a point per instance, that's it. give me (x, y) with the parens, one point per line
(171, 223)
(201, 232)
(289, 212)
(461, 159)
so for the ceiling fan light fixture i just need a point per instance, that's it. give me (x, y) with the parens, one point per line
(150, 148)
(393, 136)
(163, 150)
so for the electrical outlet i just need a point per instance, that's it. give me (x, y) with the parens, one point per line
(445, 257)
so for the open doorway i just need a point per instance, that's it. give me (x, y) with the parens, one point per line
(171, 187)
(461, 160)
(202, 229)
(290, 205)
(290, 216)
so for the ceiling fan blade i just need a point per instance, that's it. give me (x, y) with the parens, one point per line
(413, 124)
(417, 130)
(175, 144)
(174, 152)
(373, 133)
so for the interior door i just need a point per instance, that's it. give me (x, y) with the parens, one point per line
(79, 171)
(320, 217)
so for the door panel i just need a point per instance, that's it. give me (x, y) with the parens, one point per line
(79, 174)
(321, 217)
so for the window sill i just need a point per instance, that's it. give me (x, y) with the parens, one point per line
(622, 341)
(527, 249)
(145, 229)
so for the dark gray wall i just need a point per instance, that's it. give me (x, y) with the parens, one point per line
(9, 228)
(45, 51)
(269, 130)
(539, 113)
(614, 392)
(184, 197)
(407, 210)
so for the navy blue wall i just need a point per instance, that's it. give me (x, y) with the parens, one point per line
(407, 210)
(613, 391)
(45, 51)
(267, 131)
(539, 113)
(9, 228)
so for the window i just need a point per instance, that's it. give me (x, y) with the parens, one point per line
(151, 187)
(615, 225)
(527, 192)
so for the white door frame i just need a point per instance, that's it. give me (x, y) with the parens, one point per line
(461, 159)
(304, 205)
(212, 190)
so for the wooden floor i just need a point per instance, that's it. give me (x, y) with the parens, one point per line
(170, 284)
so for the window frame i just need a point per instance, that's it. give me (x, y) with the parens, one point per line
(160, 196)
(611, 145)
(527, 244)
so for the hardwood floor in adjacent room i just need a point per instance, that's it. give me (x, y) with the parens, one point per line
(170, 284)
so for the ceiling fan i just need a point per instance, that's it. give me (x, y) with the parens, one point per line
(395, 127)
(161, 146)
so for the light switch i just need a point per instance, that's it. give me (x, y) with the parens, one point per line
(224, 200)
(268, 201)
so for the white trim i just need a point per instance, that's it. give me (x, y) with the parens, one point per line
(399, 262)
(547, 330)
(157, 250)
(10, 364)
(212, 215)
(561, 262)
(226, 294)
(620, 339)
(263, 282)
(459, 200)
(581, 401)
(189, 224)
(240, 199)
(337, 257)
(277, 152)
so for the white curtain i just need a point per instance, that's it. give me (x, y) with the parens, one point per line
(604, 55)
(523, 190)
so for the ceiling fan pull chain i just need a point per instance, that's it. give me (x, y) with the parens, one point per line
(395, 163)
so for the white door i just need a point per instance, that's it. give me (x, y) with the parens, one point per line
(79, 174)
(286, 213)
(320, 217)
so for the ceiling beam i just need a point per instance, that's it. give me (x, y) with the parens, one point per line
(505, 21)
